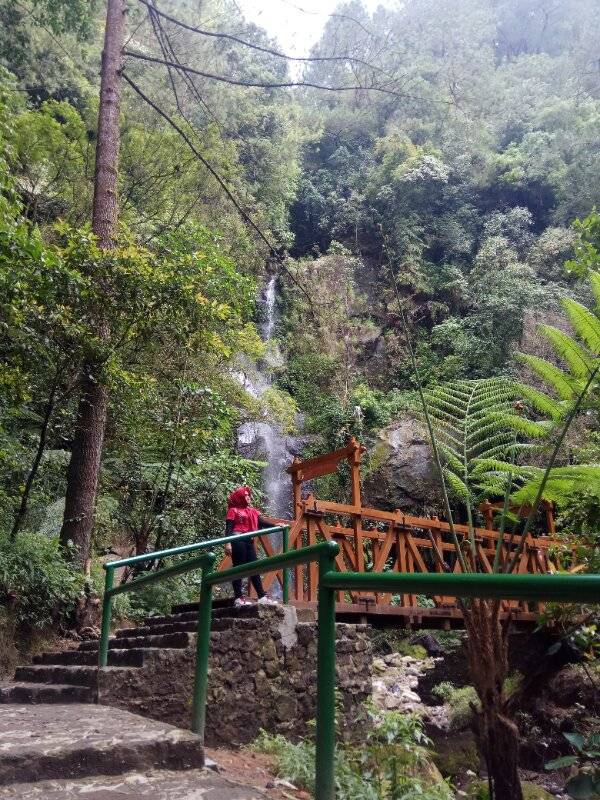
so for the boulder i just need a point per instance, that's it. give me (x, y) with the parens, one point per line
(429, 643)
(402, 470)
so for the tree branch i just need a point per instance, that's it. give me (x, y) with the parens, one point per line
(241, 211)
(261, 84)
(260, 48)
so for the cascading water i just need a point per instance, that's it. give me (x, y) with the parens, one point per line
(264, 439)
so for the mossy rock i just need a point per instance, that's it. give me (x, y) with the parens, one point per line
(478, 790)
(414, 650)
(456, 754)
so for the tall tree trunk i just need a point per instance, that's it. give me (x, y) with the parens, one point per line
(84, 467)
(497, 734)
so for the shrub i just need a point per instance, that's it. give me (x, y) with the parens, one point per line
(36, 582)
(459, 701)
(391, 764)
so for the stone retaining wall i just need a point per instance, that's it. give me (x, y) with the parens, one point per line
(262, 675)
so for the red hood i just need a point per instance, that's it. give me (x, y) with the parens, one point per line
(237, 499)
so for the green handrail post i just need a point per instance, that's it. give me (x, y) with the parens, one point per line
(325, 737)
(106, 615)
(202, 652)
(286, 572)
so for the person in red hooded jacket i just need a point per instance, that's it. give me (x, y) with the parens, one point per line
(242, 517)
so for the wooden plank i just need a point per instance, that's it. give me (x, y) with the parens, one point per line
(309, 463)
(326, 533)
(402, 560)
(313, 573)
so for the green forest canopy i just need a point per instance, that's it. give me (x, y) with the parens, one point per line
(460, 146)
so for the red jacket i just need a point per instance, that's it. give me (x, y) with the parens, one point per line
(244, 516)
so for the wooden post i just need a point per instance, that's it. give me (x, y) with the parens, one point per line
(297, 479)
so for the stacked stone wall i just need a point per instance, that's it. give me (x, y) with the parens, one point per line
(262, 675)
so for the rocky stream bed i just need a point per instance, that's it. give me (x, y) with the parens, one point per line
(434, 686)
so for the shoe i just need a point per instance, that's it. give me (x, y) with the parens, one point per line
(239, 602)
(267, 601)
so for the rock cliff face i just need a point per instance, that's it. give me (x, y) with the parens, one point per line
(403, 473)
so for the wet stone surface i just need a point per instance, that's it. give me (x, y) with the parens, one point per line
(40, 742)
(156, 784)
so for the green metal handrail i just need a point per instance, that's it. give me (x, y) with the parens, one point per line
(200, 562)
(315, 552)
(560, 588)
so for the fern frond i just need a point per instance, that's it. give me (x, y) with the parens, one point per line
(586, 324)
(561, 483)
(542, 403)
(579, 360)
(522, 425)
(595, 283)
(553, 376)
(457, 486)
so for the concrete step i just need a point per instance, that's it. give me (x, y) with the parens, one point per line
(46, 742)
(177, 640)
(46, 693)
(116, 658)
(53, 673)
(161, 784)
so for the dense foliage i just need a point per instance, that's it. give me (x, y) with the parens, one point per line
(442, 184)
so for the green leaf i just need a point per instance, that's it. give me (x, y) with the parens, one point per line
(576, 739)
(583, 786)
(559, 763)
(579, 360)
(543, 403)
(555, 377)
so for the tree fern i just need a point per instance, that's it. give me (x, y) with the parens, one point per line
(477, 432)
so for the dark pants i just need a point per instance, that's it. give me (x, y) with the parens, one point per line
(243, 553)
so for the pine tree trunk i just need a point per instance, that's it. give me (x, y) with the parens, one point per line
(497, 734)
(83, 472)
(84, 467)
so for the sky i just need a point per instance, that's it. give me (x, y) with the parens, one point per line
(296, 24)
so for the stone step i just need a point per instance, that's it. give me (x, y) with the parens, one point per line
(116, 658)
(175, 640)
(218, 605)
(158, 630)
(227, 612)
(53, 673)
(46, 693)
(161, 784)
(45, 742)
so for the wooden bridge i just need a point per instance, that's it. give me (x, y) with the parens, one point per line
(372, 539)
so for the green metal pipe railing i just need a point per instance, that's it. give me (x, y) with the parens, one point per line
(559, 588)
(200, 562)
(324, 552)
(190, 548)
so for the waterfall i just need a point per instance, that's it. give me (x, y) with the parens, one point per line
(265, 440)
